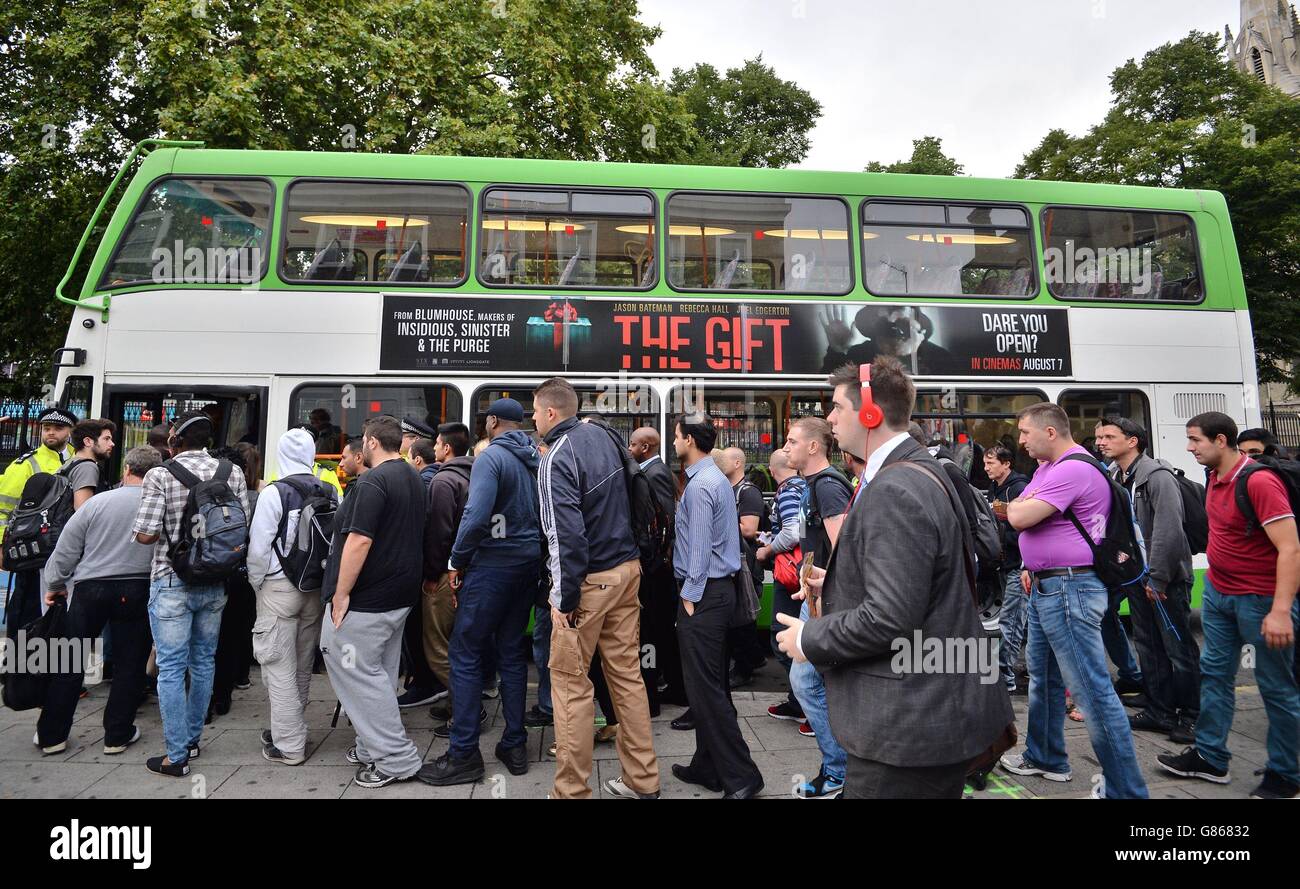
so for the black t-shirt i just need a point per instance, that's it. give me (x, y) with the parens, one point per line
(831, 492)
(749, 501)
(385, 504)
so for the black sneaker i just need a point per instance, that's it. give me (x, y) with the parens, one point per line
(788, 710)
(440, 712)
(416, 697)
(738, 679)
(444, 730)
(1184, 732)
(159, 766)
(684, 723)
(515, 758)
(369, 777)
(1274, 786)
(192, 750)
(445, 771)
(352, 758)
(537, 718)
(1190, 764)
(267, 740)
(1144, 721)
(1127, 687)
(244, 684)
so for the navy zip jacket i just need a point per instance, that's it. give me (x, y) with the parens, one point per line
(501, 484)
(586, 517)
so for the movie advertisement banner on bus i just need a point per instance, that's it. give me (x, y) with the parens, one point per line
(702, 337)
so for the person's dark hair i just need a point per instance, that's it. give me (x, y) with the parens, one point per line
(158, 436)
(353, 442)
(1261, 435)
(386, 430)
(423, 448)
(91, 428)
(1213, 424)
(140, 460)
(320, 414)
(1130, 429)
(891, 389)
(1044, 414)
(252, 462)
(698, 426)
(1001, 454)
(917, 433)
(194, 435)
(456, 437)
(559, 394)
(233, 455)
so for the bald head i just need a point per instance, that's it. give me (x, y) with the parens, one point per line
(732, 464)
(643, 444)
(779, 466)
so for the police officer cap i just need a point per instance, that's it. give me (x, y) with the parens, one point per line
(412, 426)
(58, 416)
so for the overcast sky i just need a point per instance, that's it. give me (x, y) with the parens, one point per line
(989, 78)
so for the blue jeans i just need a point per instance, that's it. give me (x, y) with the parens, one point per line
(186, 621)
(542, 657)
(1117, 647)
(810, 691)
(491, 614)
(1012, 623)
(1229, 622)
(1065, 651)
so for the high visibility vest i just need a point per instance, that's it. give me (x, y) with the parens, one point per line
(325, 474)
(38, 460)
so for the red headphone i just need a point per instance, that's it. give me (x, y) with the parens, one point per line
(869, 415)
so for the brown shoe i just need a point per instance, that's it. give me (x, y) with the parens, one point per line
(606, 734)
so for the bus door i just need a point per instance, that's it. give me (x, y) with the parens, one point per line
(624, 408)
(238, 414)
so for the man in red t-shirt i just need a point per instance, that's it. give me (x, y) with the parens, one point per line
(1249, 600)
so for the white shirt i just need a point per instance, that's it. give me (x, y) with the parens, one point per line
(874, 463)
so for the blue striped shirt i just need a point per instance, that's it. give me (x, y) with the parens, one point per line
(785, 514)
(708, 538)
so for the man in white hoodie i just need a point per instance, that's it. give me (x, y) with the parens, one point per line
(287, 632)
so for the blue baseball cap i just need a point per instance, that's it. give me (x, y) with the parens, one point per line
(507, 409)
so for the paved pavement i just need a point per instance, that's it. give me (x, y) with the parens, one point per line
(232, 766)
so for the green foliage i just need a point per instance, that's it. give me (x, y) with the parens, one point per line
(81, 81)
(1185, 117)
(927, 158)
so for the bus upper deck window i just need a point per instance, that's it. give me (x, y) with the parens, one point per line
(195, 231)
(1120, 254)
(567, 238)
(758, 242)
(416, 232)
(936, 249)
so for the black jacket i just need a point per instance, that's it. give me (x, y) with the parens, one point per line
(586, 516)
(1009, 490)
(663, 485)
(447, 495)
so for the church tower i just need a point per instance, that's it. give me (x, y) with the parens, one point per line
(1268, 45)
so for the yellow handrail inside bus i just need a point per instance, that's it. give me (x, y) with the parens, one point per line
(143, 148)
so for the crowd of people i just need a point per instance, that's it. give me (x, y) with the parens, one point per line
(415, 586)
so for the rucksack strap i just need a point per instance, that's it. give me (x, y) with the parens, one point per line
(224, 468)
(183, 475)
(1242, 496)
(303, 489)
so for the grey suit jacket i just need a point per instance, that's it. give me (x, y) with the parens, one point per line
(898, 569)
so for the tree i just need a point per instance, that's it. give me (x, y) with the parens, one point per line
(81, 81)
(749, 118)
(1185, 117)
(927, 158)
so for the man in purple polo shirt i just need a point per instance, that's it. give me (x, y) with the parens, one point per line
(1067, 602)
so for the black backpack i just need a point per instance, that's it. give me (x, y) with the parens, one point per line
(1120, 560)
(212, 542)
(651, 526)
(1286, 470)
(815, 520)
(1196, 523)
(303, 558)
(43, 510)
(25, 689)
(985, 530)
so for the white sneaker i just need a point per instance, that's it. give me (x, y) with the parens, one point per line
(618, 788)
(135, 736)
(1016, 764)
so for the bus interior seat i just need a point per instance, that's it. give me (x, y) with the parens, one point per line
(408, 267)
(648, 276)
(570, 267)
(326, 264)
(724, 280)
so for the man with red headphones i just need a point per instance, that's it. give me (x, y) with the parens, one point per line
(901, 575)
